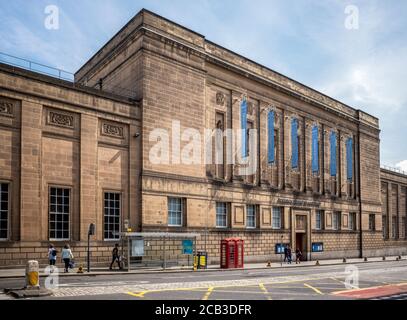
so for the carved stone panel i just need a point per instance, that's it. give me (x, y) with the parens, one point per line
(112, 130)
(60, 119)
(220, 99)
(6, 108)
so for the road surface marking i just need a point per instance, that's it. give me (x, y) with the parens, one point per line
(208, 293)
(265, 291)
(313, 288)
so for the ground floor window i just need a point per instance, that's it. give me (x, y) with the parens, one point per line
(4, 210)
(59, 213)
(384, 227)
(175, 212)
(277, 218)
(394, 227)
(251, 216)
(336, 220)
(112, 214)
(319, 220)
(352, 221)
(372, 222)
(403, 228)
(221, 215)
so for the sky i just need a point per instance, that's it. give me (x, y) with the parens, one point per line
(307, 40)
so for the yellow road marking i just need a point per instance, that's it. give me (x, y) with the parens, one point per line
(313, 288)
(206, 296)
(265, 291)
(141, 294)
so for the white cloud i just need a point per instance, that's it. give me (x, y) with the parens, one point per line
(402, 165)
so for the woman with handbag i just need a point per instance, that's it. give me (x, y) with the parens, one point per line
(66, 256)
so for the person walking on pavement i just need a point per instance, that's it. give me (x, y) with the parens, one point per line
(66, 256)
(285, 253)
(298, 255)
(115, 257)
(289, 254)
(52, 255)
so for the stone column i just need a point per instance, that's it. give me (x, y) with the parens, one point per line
(31, 209)
(88, 178)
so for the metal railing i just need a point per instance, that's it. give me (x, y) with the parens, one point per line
(36, 67)
(397, 170)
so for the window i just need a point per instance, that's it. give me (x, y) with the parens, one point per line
(352, 221)
(372, 222)
(319, 220)
(394, 227)
(112, 214)
(271, 137)
(220, 145)
(336, 220)
(221, 215)
(277, 221)
(294, 143)
(4, 210)
(403, 228)
(251, 216)
(59, 213)
(333, 154)
(248, 142)
(384, 227)
(175, 212)
(349, 159)
(315, 150)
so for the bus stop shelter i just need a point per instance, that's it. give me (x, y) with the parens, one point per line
(158, 249)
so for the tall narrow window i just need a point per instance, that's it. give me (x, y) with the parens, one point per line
(220, 150)
(403, 228)
(221, 215)
(251, 216)
(175, 212)
(394, 232)
(248, 145)
(372, 222)
(112, 215)
(4, 210)
(384, 227)
(333, 143)
(277, 221)
(59, 213)
(294, 143)
(315, 150)
(271, 137)
(336, 220)
(349, 159)
(243, 126)
(352, 221)
(319, 220)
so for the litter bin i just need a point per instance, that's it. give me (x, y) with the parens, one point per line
(231, 253)
(201, 260)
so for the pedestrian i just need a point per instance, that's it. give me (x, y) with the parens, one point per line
(115, 257)
(52, 255)
(66, 256)
(298, 255)
(289, 255)
(285, 253)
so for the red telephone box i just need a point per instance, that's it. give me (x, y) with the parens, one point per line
(231, 253)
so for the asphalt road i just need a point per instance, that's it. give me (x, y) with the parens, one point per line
(306, 283)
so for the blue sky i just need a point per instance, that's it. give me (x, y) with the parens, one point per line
(303, 39)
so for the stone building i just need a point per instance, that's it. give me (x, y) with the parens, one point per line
(77, 153)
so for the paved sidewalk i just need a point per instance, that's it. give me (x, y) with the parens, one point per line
(20, 272)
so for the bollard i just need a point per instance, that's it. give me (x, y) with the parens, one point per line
(317, 263)
(384, 258)
(32, 276)
(269, 264)
(344, 260)
(365, 259)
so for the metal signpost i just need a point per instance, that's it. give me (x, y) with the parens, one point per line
(91, 232)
